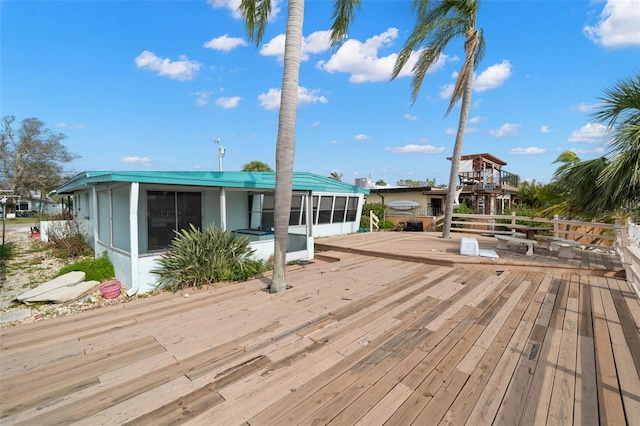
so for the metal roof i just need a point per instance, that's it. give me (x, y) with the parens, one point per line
(302, 181)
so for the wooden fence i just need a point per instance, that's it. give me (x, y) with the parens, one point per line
(591, 234)
(620, 238)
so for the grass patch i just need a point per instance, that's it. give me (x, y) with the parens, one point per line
(100, 269)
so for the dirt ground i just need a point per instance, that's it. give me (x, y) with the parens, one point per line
(30, 266)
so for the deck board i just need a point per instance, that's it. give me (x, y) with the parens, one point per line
(400, 330)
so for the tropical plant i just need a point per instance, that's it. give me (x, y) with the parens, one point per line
(198, 258)
(610, 184)
(256, 166)
(336, 176)
(437, 24)
(256, 14)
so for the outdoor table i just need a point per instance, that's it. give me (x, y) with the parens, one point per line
(529, 230)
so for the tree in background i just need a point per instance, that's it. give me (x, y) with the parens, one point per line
(416, 183)
(31, 157)
(437, 24)
(610, 184)
(381, 182)
(256, 166)
(336, 176)
(256, 14)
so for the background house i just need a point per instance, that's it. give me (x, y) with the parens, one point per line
(483, 186)
(133, 216)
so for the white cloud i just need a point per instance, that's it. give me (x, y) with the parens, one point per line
(618, 25)
(316, 42)
(596, 151)
(492, 77)
(410, 117)
(590, 133)
(315, 124)
(532, 150)
(507, 129)
(412, 148)
(271, 99)
(545, 129)
(233, 5)
(202, 98)
(228, 102)
(477, 119)
(446, 91)
(70, 126)
(361, 60)
(582, 107)
(143, 161)
(361, 137)
(182, 69)
(225, 43)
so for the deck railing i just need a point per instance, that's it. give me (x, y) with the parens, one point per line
(591, 234)
(619, 238)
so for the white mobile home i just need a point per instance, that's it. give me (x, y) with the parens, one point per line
(134, 215)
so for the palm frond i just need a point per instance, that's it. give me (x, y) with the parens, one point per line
(343, 15)
(255, 14)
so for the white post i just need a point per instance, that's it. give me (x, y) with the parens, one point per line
(134, 196)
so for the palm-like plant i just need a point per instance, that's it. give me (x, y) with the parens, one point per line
(606, 185)
(255, 14)
(438, 23)
(336, 176)
(620, 111)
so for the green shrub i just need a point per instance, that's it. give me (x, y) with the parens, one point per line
(99, 269)
(200, 258)
(379, 210)
(386, 224)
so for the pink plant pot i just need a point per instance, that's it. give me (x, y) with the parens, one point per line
(110, 289)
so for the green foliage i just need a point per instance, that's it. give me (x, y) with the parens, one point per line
(100, 269)
(386, 224)
(463, 209)
(379, 210)
(5, 252)
(381, 182)
(336, 176)
(416, 183)
(256, 166)
(206, 257)
(67, 239)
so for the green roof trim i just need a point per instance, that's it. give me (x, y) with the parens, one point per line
(302, 181)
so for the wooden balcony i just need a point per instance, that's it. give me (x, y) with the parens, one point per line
(400, 330)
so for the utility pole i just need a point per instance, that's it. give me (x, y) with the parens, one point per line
(221, 152)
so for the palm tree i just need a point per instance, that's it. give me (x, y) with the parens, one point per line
(437, 23)
(336, 176)
(609, 184)
(256, 14)
(620, 111)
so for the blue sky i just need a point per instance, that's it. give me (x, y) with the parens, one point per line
(149, 85)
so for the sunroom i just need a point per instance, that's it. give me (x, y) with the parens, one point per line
(133, 216)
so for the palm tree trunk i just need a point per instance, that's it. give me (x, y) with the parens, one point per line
(285, 147)
(457, 153)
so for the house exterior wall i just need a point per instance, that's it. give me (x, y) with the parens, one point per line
(105, 214)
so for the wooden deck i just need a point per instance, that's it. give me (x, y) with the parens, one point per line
(365, 340)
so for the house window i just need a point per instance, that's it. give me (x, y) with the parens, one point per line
(352, 209)
(169, 211)
(261, 211)
(325, 208)
(339, 209)
(296, 217)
